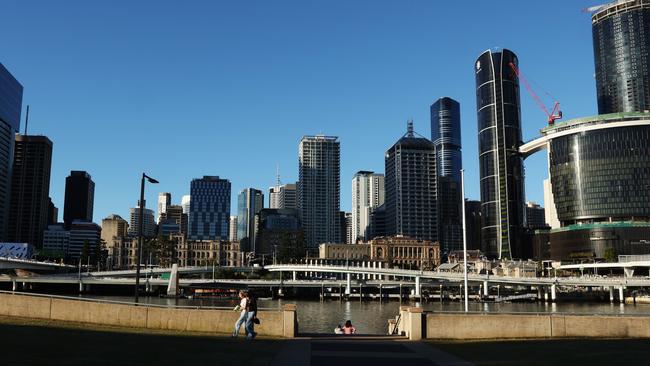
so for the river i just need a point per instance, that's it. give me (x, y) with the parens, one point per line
(371, 317)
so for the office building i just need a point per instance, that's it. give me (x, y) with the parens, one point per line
(411, 201)
(500, 165)
(621, 37)
(277, 228)
(30, 189)
(56, 241)
(209, 209)
(367, 194)
(164, 200)
(185, 204)
(473, 222)
(249, 202)
(149, 223)
(175, 221)
(349, 239)
(445, 135)
(535, 216)
(319, 189)
(378, 222)
(283, 196)
(52, 212)
(232, 233)
(79, 197)
(114, 226)
(11, 104)
(83, 233)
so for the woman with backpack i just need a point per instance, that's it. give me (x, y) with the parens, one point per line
(251, 320)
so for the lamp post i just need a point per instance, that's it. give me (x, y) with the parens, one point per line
(140, 230)
(462, 187)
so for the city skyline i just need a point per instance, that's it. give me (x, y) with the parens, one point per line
(365, 133)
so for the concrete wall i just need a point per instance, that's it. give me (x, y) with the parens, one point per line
(495, 326)
(280, 323)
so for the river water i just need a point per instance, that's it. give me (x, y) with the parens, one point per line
(371, 317)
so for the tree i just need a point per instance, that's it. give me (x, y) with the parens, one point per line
(84, 251)
(610, 255)
(292, 247)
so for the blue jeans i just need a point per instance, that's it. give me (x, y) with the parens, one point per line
(250, 326)
(242, 319)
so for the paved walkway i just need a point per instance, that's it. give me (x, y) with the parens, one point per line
(375, 351)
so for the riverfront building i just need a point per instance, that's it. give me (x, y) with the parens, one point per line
(501, 166)
(249, 203)
(209, 252)
(83, 233)
(277, 230)
(30, 189)
(209, 209)
(79, 197)
(445, 135)
(621, 53)
(411, 202)
(319, 190)
(368, 193)
(11, 104)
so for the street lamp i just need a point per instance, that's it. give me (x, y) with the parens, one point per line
(462, 188)
(140, 230)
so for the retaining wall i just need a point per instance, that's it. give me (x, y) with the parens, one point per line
(277, 323)
(495, 326)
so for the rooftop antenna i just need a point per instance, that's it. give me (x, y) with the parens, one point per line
(26, 120)
(277, 174)
(409, 127)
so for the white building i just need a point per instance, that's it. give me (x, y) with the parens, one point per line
(232, 234)
(185, 203)
(149, 228)
(282, 196)
(367, 194)
(164, 200)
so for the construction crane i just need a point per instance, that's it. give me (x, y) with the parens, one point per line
(554, 114)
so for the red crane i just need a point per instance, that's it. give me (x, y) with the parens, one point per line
(556, 113)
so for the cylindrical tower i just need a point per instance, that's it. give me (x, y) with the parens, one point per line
(621, 46)
(501, 166)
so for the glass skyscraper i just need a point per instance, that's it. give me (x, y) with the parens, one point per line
(501, 166)
(79, 197)
(11, 104)
(209, 209)
(621, 46)
(445, 135)
(410, 184)
(249, 203)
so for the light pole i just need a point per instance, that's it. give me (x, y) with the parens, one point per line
(462, 185)
(140, 230)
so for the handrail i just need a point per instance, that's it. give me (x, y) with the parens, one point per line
(117, 302)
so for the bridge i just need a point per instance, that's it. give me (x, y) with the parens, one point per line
(32, 265)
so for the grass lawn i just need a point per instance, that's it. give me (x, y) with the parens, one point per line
(35, 342)
(551, 352)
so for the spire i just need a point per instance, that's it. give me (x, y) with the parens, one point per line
(277, 175)
(409, 128)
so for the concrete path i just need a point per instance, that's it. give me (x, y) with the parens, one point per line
(375, 351)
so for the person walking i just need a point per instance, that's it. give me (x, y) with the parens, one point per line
(251, 319)
(243, 315)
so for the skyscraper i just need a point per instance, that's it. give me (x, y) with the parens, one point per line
(319, 189)
(11, 104)
(232, 234)
(148, 225)
(114, 226)
(411, 201)
(501, 166)
(367, 194)
(164, 200)
(185, 203)
(79, 197)
(621, 44)
(249, 202)
(209, 208)
(30, 189)
(282, 196)
(445, 135)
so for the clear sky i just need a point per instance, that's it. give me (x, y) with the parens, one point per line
(182, 89)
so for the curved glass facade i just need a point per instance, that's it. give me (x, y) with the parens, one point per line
(601, 175)
(621, 46)
(501, 166)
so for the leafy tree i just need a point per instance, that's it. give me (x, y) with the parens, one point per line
(292, 247)
(610, 254)
(84, 251)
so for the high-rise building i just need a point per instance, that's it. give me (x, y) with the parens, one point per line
(174, 217)
(473, 224)
(367, 194)
(114, 226)
(209, 209)
(83, 233)
(11, 105)
(164, 200)
(56, 240)
(79, 197)
(277, 228)
(52, 212)
(149, 223)
(30, 189)
(621, 36)
(535, 216)
(411, 201)
(501, 166)
(348, 228)
(282, 196)
(445, 135)
(319, 189)
(185, 203)
(232, 233)
(249, 202)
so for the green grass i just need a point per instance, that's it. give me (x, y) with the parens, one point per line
(35, 342)
(575, 352)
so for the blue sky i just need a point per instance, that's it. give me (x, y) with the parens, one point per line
(193, 88)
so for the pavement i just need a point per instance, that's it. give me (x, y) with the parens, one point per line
(362, 350)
